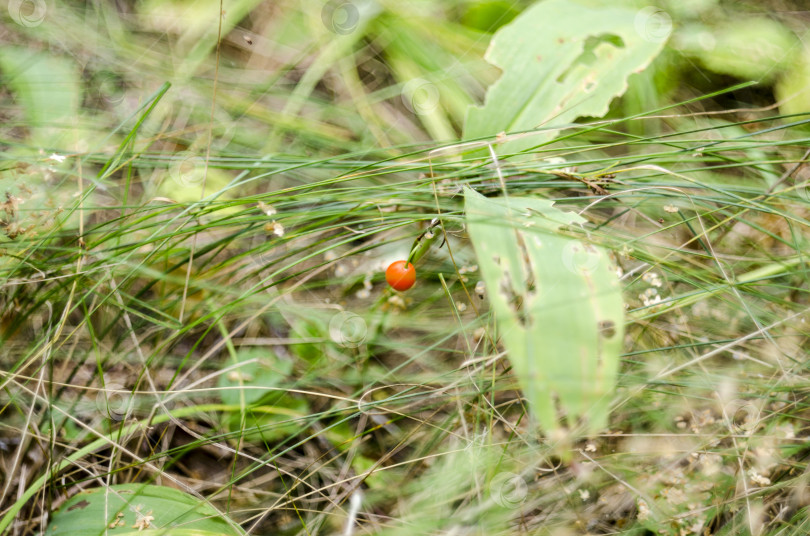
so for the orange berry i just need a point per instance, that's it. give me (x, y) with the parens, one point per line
(401, 275)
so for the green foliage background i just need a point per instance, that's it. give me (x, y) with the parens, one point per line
(199, 198)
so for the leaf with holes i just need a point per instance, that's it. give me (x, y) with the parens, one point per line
(558, 306)
(562, 60)
(141, 509)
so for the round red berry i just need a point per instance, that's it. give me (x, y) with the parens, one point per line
(401, 275)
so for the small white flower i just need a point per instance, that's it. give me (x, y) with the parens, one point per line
(649, 297)
(269, 210)
(643, 510)
(759, 479)
(652, 279)
(57, 157)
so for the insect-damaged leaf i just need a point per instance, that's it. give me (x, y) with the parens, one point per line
(561, 60)
(557, 302)
(142, 509)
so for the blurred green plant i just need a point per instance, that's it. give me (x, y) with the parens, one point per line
(316, 131)
(142, 509)
(253, 382)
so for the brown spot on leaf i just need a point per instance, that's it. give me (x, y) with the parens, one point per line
(607, 328)
(79, 505)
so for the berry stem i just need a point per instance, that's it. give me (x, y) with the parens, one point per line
(423, 242)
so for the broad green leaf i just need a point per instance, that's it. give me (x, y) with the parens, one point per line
(562, 60)
(47, 88)
(250, 382)
(557, 302)
(269, 413)
(185, 178)
(792, 90)
(488, 16)
(277, 416)
(138, 509)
